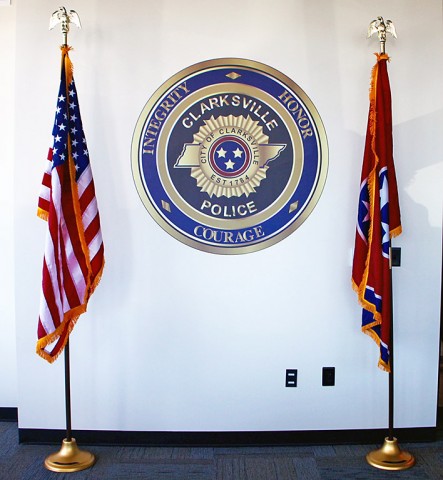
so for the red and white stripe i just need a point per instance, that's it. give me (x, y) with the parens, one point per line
(70, 271)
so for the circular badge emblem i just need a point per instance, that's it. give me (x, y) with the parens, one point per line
(229, 156)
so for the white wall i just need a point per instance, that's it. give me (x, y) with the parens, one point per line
(161, 347)
(8, 370)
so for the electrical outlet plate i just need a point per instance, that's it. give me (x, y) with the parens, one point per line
(291, 378)
(328, 377)
(396, 256)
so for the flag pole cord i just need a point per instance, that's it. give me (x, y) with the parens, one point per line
(68, 393)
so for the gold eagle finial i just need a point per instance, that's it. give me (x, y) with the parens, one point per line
(65, 18)
(381, 27)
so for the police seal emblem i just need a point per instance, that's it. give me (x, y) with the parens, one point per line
(229, 156)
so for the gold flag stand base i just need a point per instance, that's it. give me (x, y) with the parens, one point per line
(390, 457)
(69, 458)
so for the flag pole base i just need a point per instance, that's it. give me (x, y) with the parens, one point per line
(390, 457)
(69, 458)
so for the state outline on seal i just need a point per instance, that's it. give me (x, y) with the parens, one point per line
(229, 156)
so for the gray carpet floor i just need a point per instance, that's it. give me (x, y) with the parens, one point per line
(329, 462)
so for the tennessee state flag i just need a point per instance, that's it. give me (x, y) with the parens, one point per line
(378, 217)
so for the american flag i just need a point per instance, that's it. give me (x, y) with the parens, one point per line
(378, 217)
(74, 253)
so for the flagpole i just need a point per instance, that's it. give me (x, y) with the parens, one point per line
(68, 393)
(391, 359)
(389, 456)
(391, 355)
(69, 458)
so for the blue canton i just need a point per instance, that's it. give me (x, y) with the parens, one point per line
(67, 125)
